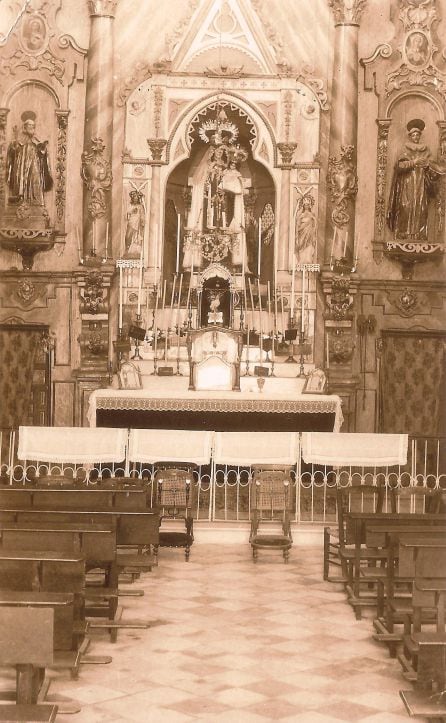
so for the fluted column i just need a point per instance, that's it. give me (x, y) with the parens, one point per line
(157, 146)
(341, 178)
(286, 151)
(98, 131)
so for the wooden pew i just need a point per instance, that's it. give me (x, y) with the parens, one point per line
(394, 597)
(428, 648)
(356, 526)
(26, 642)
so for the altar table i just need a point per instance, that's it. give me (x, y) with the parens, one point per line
(166, 403)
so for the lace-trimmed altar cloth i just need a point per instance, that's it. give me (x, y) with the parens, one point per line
(79, 445)
(354, 449)
(247, 448)
(170, 445)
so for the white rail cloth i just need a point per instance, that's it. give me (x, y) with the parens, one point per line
(79, 445)
(354, 449)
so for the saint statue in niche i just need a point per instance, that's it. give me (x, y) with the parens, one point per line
(135, 223)
(217, 212)
(27, 165)
(305, 228)
(415, 182)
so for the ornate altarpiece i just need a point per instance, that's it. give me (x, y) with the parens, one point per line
(275, 110)
(408, 77)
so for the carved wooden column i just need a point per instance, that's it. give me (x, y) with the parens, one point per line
(341, 178)
(157, 146)
(98, 133)
(3, 118)
(286, 151)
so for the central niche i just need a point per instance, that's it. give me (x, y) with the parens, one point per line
(220, 201)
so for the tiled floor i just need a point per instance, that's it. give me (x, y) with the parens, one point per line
(235, 642)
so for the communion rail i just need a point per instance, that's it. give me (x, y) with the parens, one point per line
(222, 492)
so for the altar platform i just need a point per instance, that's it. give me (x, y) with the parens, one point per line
(167, 403)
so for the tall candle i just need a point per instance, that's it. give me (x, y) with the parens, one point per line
(275, 309)
(260, 321)
(188, 293)
(177, 264)
(155, 241)
(281, 309)
(93, 237)
(179, 299)
(140, 270)
(293, 273)
(107, 229)
(344, 251)
(333, 242)
(78, 244)
(302, 321)
(155, 324)
(259, 253)
(120, 298)
(269, 305)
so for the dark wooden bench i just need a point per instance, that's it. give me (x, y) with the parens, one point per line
(428, 648)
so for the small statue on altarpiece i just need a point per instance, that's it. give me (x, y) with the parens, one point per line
(415, 182)
(28, 171)
(134, 232)
(306, 224)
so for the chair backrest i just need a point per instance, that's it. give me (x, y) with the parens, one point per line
(174, 486)
(270, 492)
(412, 499)
(357, 498)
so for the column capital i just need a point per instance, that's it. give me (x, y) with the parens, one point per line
(287, 152)
(157, 146)
(102, 8)
(347, 12)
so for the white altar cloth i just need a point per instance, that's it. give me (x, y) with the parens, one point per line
(354, 449)
(79, 445)
(172, 394)
(252, 448)
(170, 445)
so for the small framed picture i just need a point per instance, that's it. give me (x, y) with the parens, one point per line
(316, 382)
(129, 376)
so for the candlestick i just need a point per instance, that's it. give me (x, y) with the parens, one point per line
(177, 264)
(302, 321)
(120, 299)
(327, 353)
(259, 253)
(155, 331)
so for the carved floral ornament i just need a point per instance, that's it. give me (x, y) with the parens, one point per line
(93, 293)
(347, 12)
(340, 300)
(340, 346)
(97, 176)
(343, 184)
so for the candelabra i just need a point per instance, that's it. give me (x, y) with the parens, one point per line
(343, 265)
(137, 356)
(290, 335)
(303, 348)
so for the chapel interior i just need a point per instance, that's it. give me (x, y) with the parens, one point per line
(222, 360)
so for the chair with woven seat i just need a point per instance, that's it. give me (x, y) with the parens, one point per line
(174, 489)
(270, 507)
(413, 499)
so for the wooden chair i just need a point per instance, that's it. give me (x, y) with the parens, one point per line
(354, 555)
(269, 505)
(175, 488)
(413, 499)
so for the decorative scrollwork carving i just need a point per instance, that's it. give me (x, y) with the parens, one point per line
(340, 347)
(61, 160)
(93, 301)
(97, 176)
(340, 300)
(46, 62)
(381, 166)
(343, 184)
(427, 77)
